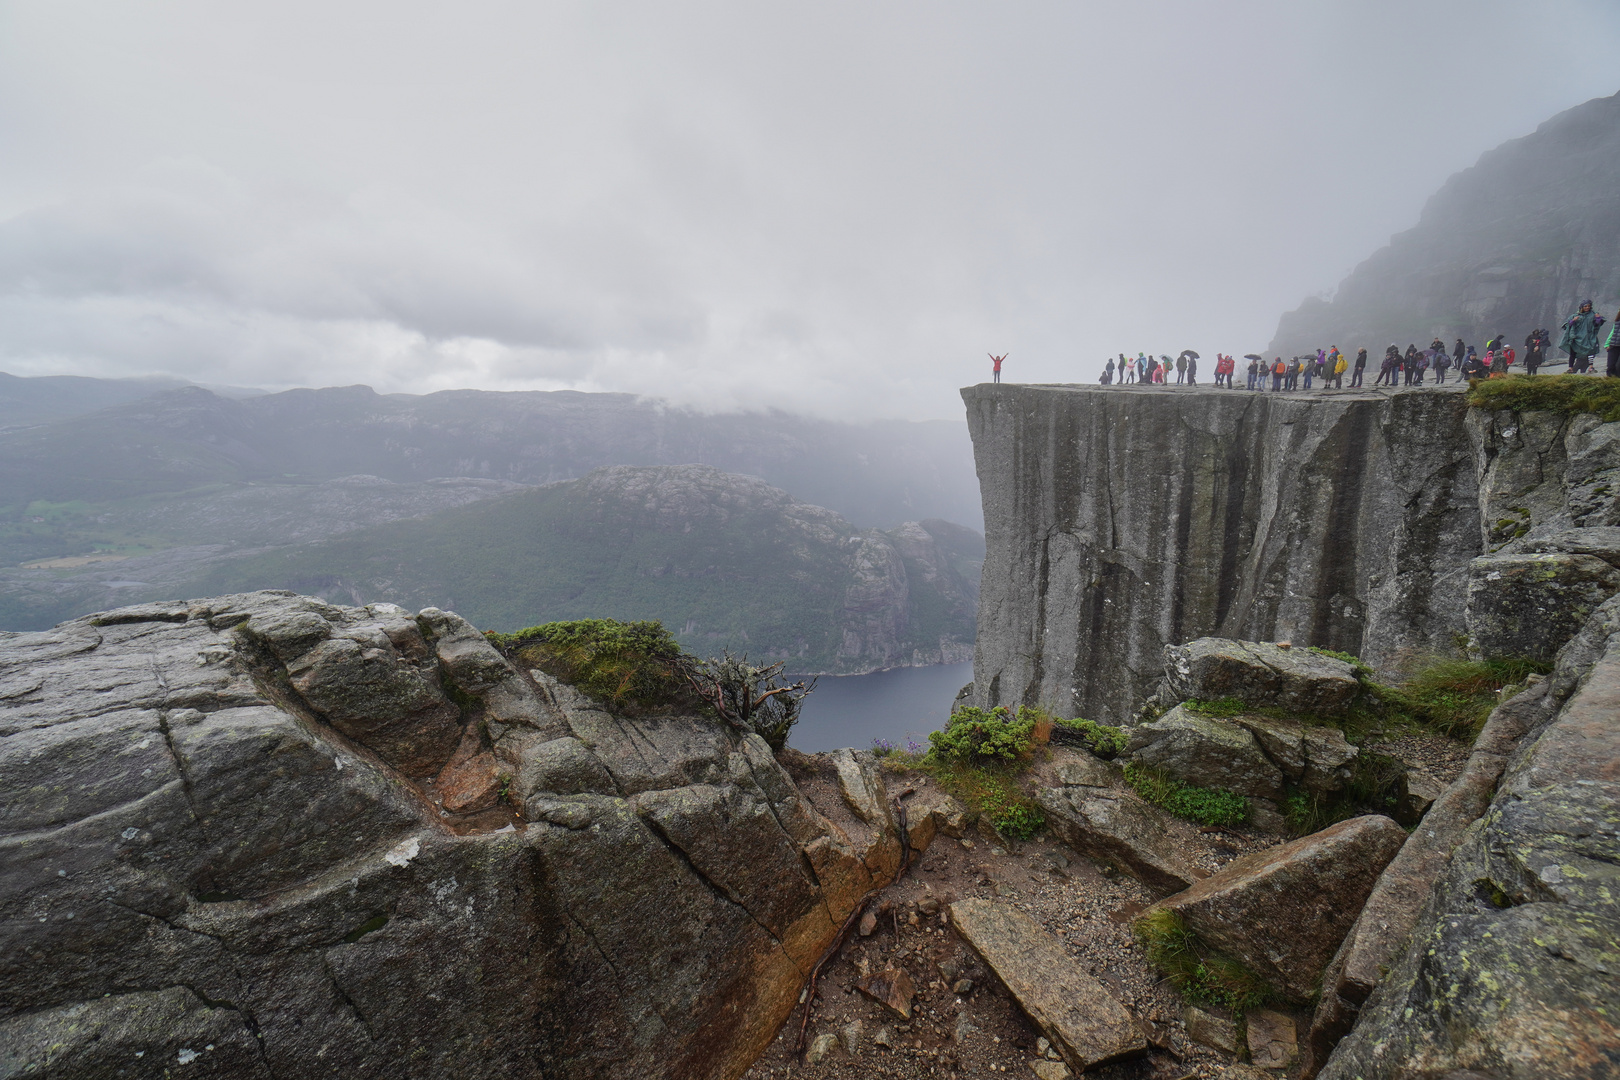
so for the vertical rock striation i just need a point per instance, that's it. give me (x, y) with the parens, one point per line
(1119, 521)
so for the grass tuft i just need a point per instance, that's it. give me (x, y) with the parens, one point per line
(1199, 974)
(1455, 696)
(635, 663)
(1549, 393)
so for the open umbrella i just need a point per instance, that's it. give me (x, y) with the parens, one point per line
(1252, 356)
(1189, 352)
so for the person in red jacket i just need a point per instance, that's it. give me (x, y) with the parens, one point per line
(995, 365)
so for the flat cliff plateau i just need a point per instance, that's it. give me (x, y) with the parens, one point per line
(1119, 521)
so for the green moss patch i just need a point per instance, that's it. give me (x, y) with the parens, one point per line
(1549, 393)
(634, 663)
(1205, 806)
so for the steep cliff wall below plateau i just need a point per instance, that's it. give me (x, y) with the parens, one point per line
(1119, 521)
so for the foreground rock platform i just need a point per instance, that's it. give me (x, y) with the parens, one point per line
(1084, 1022)
(261, 835)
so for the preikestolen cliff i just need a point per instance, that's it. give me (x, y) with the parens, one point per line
(1264, 765)
(449, 734)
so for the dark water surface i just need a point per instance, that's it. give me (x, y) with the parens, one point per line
(852, 710)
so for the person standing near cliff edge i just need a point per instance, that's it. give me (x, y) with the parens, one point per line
(995, 365)
(1614, 348)
(1580, 338)
(1361, 366)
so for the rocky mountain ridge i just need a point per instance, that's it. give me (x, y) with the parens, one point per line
(1510, 245)
(878, 474)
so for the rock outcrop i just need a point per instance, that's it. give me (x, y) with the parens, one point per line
(1115, 827)
(1119, 521)
(1260, 674)
(1510, 245)
(261, 835)
(1512, 968)
(1282, 912)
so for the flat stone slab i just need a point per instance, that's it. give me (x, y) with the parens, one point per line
(1116, 826)
(1260, 673)
(1084, 1021)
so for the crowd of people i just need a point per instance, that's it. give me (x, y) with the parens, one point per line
(1331, 369)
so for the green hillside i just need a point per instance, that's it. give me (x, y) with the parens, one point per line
(724, 561)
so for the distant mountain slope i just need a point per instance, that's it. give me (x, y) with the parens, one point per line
(876, 474)
(1512, 244)
(726, 561)
(52, 397)
(79, 557)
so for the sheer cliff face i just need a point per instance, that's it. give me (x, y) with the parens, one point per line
(1118, 521)
(1510, 245)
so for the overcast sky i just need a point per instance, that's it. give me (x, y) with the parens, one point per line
(832, 207)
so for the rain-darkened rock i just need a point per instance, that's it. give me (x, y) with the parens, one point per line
(1206, 752)
(1312, 756)
(1283, 911)
(1512, 967)
(1259, 673)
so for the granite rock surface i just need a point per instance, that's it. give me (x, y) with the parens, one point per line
(257, 835)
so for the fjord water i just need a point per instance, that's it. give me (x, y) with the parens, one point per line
(852, 710)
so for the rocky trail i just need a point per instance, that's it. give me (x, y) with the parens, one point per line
(963, 1021)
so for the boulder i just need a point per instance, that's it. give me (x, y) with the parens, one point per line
(1283, 911)
(931, 812)
(1209, 1029)
(1530, 605)
(1084, 1022)
(264, 835)
(1258, 673)
(1315, 757)
(1076, 768)
(1115, 826)
(1209, 753)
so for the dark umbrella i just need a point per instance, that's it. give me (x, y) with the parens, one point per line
(1189, 352)
(1252, 356)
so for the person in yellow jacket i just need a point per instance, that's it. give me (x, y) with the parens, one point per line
(1339, 368)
